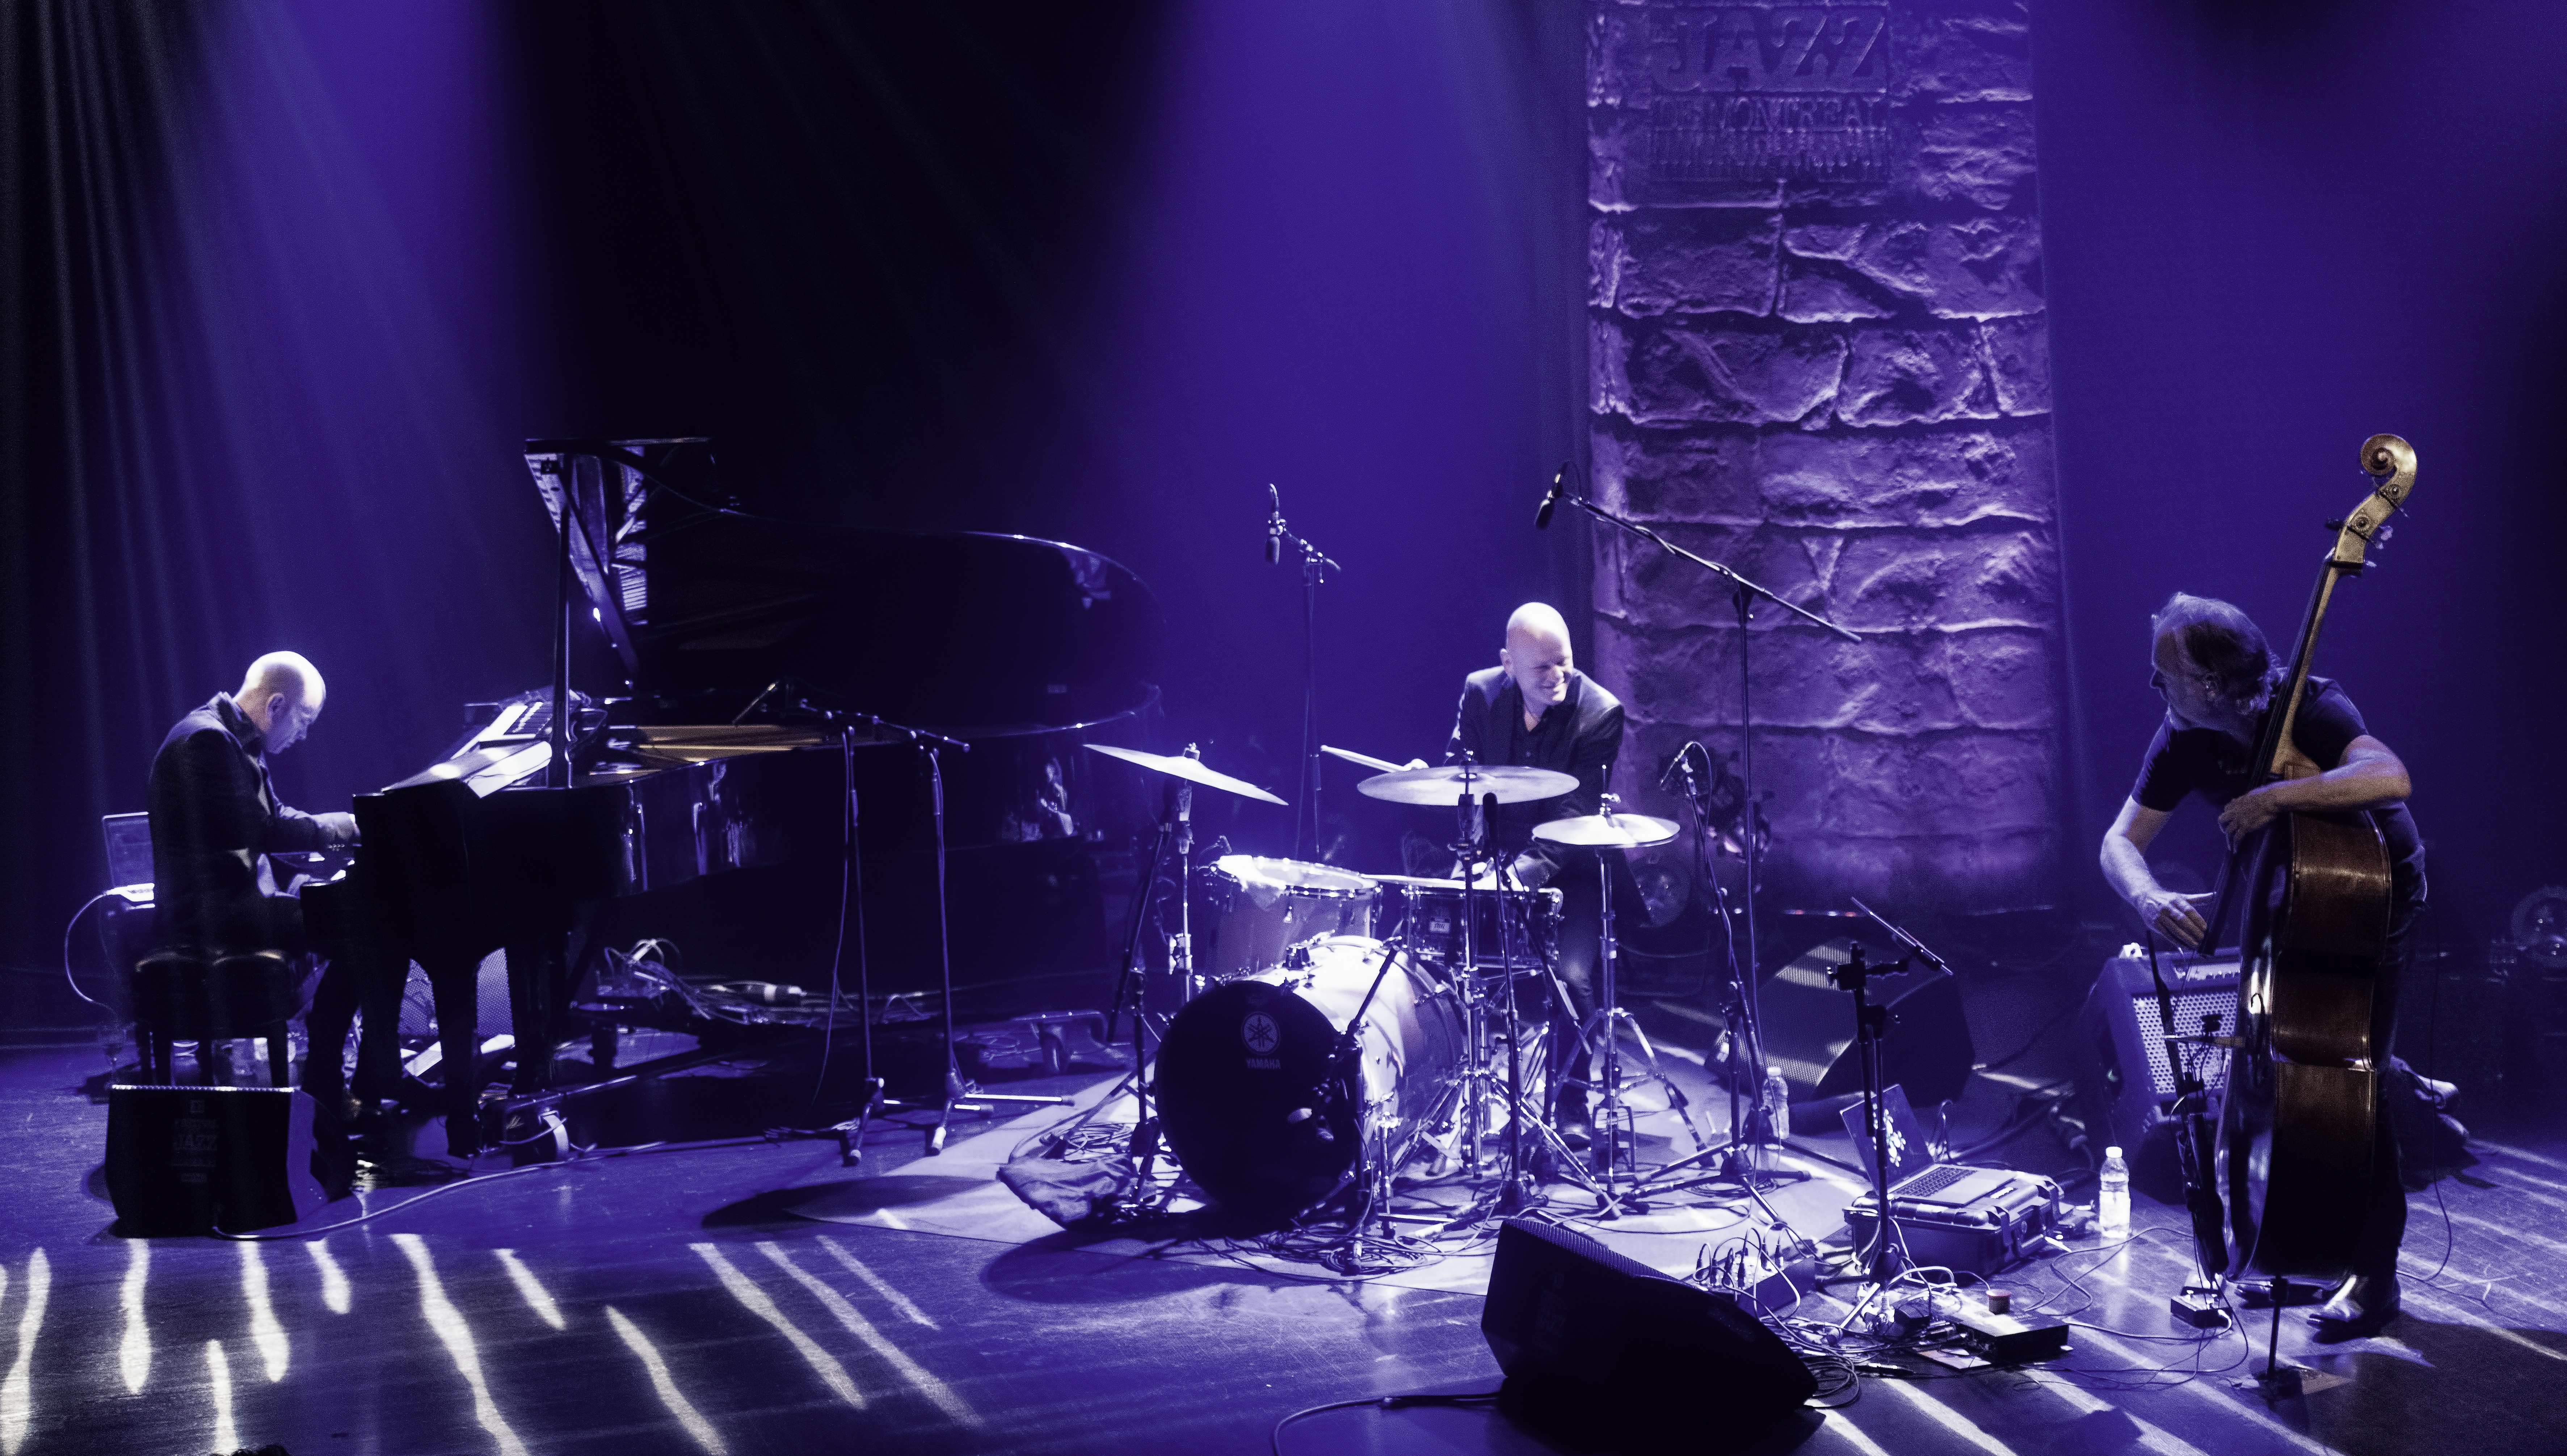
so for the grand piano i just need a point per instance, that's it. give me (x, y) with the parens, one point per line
(710, 794)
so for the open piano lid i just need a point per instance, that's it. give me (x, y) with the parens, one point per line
(708, 605)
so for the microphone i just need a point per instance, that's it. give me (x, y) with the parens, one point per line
(1274, 528)
(1550, 502)
(1186, 805)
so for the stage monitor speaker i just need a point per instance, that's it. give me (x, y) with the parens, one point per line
(2127, 1084)
(190, 1159)
(1603, 1347)
(1808, 1033)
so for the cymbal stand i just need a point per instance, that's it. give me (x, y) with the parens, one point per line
(1609, 1021)
(1471, 814)
(1345, 1071)
(1315, 567)
(960, 1093)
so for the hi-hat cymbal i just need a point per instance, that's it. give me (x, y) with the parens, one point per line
(1190, 769)
(1609, 831)
(1439, 786)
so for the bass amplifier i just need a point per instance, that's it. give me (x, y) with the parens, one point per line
(2127, 1085)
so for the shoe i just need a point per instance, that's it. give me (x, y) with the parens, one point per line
(2359, 1307)
(1574, 1129)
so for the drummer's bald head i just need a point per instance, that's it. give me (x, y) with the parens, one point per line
(1537, 623)
(1537, 655)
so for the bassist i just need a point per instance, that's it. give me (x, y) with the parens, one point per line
(2218, 678)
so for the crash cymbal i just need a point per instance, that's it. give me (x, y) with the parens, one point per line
(1190, 769)
(1609, 831)
(1438, 787)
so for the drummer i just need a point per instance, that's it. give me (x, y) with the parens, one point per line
(1535, 709)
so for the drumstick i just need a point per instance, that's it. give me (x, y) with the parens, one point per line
(1378, 765)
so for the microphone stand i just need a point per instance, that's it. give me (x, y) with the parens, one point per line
(1743, 596)
(961, 1094)
(1315, 567)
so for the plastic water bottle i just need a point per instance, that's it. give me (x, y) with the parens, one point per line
(1778, 1106)
(2112, 1197)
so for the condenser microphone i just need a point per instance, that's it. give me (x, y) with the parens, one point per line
(1550, 502)
(1275, 527)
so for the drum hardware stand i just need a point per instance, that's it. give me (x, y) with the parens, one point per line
(1345, 1071)
(1178, 824)
(1608, 1021)
(1315, 567)
(1743, 597)
(960, 1093)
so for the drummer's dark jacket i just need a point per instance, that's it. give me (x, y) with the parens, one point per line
(215, 819)
(1580, 736)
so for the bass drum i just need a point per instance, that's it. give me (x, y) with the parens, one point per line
(1247, 1094)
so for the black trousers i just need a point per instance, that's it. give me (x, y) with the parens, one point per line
(2383, 1204)
(354, 977)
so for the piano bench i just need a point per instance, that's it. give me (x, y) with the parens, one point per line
(186, 994)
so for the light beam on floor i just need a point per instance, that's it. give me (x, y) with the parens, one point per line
(2206, 1391)
(862, 1329)
(537, 1298)
(264, 1332)
(880, 1285)
(1844, 1428)
(457, 1336)
(756, 1301)
(134, 1352)
(2086, 1404)
(1949, 1419)
(661, 1380)
(219, 1374)
(333, 1281)
(17, 1392)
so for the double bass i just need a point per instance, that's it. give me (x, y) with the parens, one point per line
(2299, 1120)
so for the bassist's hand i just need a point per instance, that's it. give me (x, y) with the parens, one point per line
(2176, 916)
(2248, 812)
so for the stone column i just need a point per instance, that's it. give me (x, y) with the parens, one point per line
(1819, 355)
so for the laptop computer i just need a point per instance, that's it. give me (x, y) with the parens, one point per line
(128, 849)
(1916, 1179)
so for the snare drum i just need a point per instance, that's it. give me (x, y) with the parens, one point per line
(1249, 910)
(1517, 931)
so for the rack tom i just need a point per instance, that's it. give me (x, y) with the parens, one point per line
(1249, 909)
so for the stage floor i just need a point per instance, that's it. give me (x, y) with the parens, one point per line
(762, 1299)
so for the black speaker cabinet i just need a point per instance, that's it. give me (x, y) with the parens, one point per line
(2127, 1086)
(1808, 1033)
(1603, 1347)
(186, 1159)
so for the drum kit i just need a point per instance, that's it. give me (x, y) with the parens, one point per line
(1337, 1029)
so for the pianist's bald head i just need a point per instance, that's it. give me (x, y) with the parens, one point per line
(282, 693)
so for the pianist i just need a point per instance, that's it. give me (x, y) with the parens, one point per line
(216, 820)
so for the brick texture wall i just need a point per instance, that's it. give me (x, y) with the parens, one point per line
(1820, 354)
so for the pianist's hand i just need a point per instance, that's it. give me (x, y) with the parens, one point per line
(338, 828)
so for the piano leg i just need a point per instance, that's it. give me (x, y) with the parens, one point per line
(455, 982)
(536, 969)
